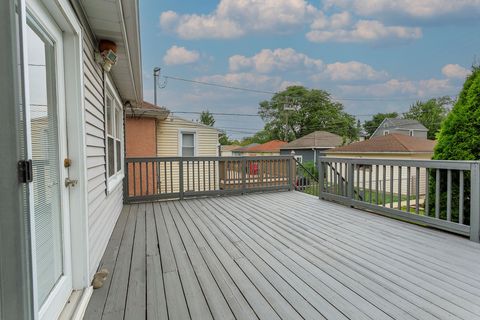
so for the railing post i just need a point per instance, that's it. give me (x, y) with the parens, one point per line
(475, 202)
(126, 187)
(180, 176)
(244, 175)
(290, 164)
(321, 176)
(350, 180)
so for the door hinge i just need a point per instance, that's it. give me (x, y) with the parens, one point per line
(25, 171)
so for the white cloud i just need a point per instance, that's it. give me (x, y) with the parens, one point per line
(269, 60)
(394, 88)
(455, 71)
(180, 55)
(364, 30)
(234, 18)
(349, 71)
(244, 79)
(424, 9)
(282, 59)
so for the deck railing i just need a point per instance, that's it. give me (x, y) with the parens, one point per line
(440, 194)
(149, 179)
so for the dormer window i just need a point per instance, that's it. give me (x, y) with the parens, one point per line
(385, 132)
(410, 133)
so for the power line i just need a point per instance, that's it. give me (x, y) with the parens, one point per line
(218, 85)
(273, 92)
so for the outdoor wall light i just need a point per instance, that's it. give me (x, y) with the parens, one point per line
(107, 56)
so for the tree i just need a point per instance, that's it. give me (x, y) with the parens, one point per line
(430, 113)
(260, 137)
(313, 110)
(371, 125)
(459, 139)
(207, 118)
(224, 139)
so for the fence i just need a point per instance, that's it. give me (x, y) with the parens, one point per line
(440, 194)
(149, 179)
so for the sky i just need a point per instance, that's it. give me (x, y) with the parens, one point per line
(370, 55)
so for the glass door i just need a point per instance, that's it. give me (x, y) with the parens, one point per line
(46, 139)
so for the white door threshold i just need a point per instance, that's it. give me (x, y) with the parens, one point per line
(76, 305)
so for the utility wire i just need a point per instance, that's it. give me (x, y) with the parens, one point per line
(273, 92)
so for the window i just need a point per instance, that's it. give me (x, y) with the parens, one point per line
(385, 132)
(410, 133)
(114, 136)
(187, 144)
(299, 158)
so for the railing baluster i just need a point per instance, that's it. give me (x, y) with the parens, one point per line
(417, 190)
(391, 186)
(364, 197)
(399, 200)
(188, 175)
(171, 177)
(376, 183)
(437, 195)
(460, 197)
(164, 163)
(449, 195)
(427, 191)
(356, 167)
(180, 173)
(134, 179)
(408, 189)
(370, 183)
(384, 197)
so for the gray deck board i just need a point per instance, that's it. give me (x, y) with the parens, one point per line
(281, 255)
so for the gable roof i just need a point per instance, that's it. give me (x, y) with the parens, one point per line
(317, 139)
(148, 110)
(270, 146)
(229, 147)
(389, 143)
(242, 149)
(400, 124)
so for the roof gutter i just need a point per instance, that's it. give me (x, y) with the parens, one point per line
(134, 58)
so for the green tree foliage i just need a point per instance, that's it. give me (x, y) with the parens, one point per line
(259, 137)
(224, 139)
(314, 110)
(206, 117)
(459, 139)
(430, 113)
(371, 125)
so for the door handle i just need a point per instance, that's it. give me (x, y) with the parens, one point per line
(70, 182)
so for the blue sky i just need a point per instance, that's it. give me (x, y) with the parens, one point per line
(371, 55)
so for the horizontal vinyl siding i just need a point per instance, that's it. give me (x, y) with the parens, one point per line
(103, 209)
(167, 138)
(168, 145)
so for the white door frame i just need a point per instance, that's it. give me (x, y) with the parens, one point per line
(74, 127)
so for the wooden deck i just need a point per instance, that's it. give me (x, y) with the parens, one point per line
(282, 255)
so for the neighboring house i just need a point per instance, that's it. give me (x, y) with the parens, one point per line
(239, 151)
(406, 127)
(63, 166)
(270, 148)
(228, 150)
(153, 132)
(306, 147)
(391, 146)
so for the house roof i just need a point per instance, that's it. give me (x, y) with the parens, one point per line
(148, 110)
(230, 147)
(317, 139)
(242, 149)
(392, 143)
(270, 146)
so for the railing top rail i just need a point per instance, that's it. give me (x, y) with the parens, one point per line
(207, 158)
(431, 164)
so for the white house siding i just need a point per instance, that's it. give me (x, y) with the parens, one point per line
(168, 131)
(103, 208)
